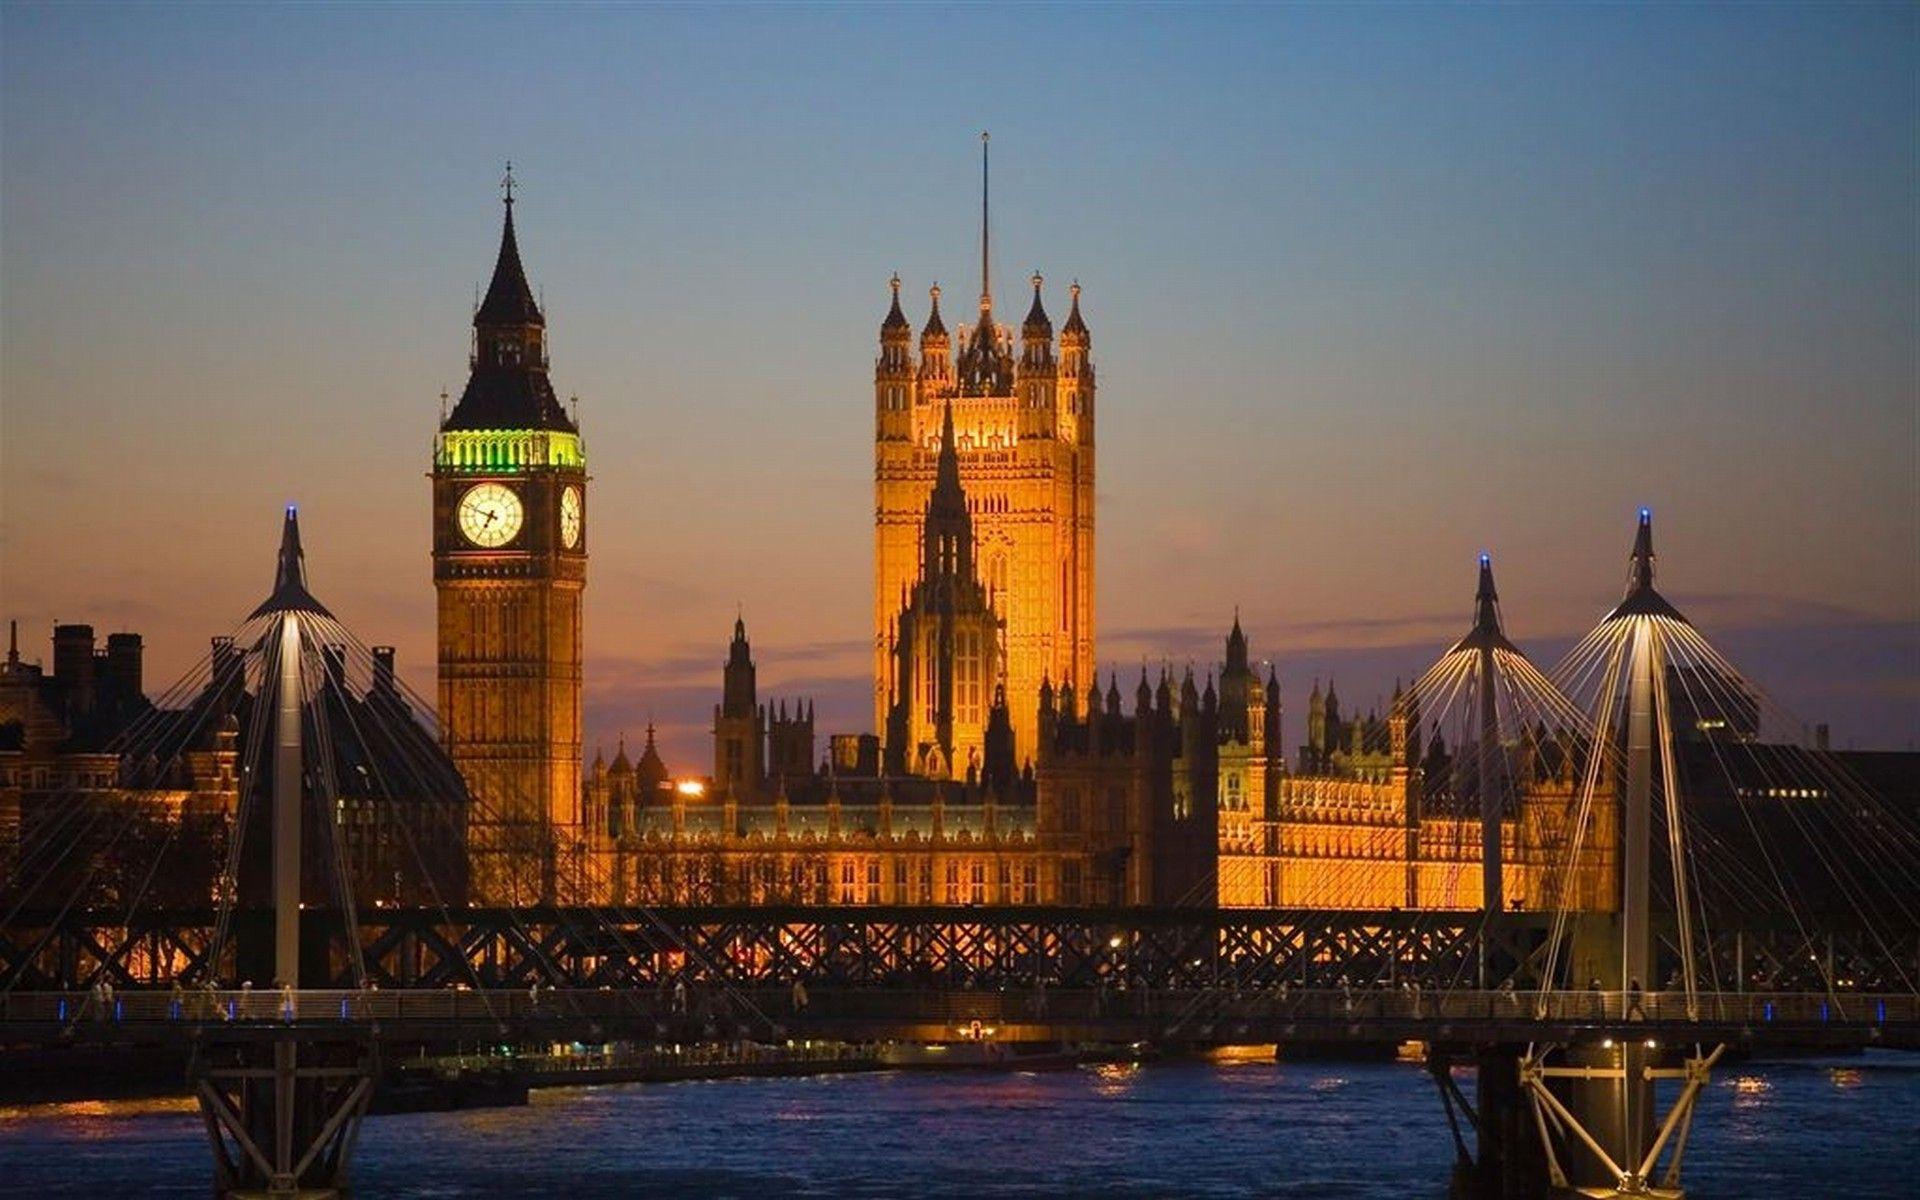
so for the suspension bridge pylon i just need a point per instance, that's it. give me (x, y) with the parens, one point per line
(283, 1106)
(1593, 1103)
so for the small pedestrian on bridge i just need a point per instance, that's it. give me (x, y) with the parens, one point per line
(1635, 994)
(799, 996)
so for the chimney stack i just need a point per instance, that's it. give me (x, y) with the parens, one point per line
(124, 669)
(73, 666)
(383, 670)
(335, 658)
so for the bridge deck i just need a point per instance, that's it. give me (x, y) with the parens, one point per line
(1171, 1017)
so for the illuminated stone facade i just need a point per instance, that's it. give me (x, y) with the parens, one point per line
(1183, 799)
(801, 834)
(1189, 801)
(949, 712)
(509, 565)
(1023, 420)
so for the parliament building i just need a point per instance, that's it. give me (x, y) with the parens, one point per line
(1001, 772)
(998, 770)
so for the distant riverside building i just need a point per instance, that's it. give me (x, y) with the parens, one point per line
(105, 796)
(1022, 415)
(57, 731)
(509, 566)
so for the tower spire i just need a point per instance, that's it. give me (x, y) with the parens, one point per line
(508, 386)
(290, 592)
(1642, 574)
(509, 300)
(1642, 599)
(1486, 601)
(986, 275)
(1486, 633)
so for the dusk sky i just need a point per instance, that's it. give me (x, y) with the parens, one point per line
(1371, 289)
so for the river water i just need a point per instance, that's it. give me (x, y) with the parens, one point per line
(1847, 1127)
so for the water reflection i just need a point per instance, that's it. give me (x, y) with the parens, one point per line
(1361, 1131)
(1749, 1091)
(79, 1110)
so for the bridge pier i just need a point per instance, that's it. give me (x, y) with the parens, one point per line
(1595, 1115)
(283, 1112)
(1507, 1162)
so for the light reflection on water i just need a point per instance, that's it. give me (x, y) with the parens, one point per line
(1362, 1130)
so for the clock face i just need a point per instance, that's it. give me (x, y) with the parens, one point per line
(570, 517)
(490, 514)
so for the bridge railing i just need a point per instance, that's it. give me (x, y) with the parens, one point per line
(757, 1011)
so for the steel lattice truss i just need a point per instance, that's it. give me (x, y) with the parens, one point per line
(896, 947)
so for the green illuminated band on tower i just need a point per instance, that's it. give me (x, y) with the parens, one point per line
(508, 449)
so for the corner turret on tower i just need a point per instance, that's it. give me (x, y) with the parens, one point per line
(893, 372)
(936, 350)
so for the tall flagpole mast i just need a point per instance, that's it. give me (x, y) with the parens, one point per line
(986, 278)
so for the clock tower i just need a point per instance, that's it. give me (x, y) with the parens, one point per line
(509, 565)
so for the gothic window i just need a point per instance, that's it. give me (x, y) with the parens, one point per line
(1070, 883)
(953, 882)
(1029, 884)
(1070, 810)
(977, 884)
(967, 668)
(930, 674)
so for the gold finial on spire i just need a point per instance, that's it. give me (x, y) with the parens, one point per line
(894, 283)
(1037, 280)
(506, 184)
